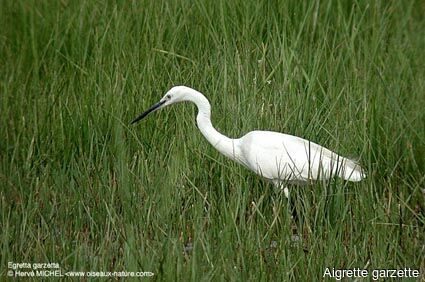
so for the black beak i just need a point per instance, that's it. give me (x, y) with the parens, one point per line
(150, 110)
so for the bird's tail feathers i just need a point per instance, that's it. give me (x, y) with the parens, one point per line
(351, 170)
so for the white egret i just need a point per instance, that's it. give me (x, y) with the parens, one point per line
(280, 158)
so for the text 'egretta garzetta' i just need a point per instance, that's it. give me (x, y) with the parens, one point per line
(278, 157)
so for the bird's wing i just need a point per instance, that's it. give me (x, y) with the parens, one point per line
(281, 156)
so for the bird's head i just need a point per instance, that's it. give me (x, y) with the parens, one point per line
(174, 95)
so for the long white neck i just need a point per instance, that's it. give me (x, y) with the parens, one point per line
(225, 145)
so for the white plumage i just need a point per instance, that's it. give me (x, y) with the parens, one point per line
(278, 157)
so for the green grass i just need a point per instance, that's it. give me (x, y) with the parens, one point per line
(82, 188)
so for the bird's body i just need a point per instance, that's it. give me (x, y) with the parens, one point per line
(282, 157)
(278, 157)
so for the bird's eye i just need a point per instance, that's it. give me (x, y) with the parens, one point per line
(168, 96)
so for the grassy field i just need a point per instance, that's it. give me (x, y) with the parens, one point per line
(82, 188)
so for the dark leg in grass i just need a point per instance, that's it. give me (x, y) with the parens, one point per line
(294, 214)
(293, 210)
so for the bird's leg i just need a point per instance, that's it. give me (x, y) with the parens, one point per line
(294, 215)
(285, 190)
(293, 210)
